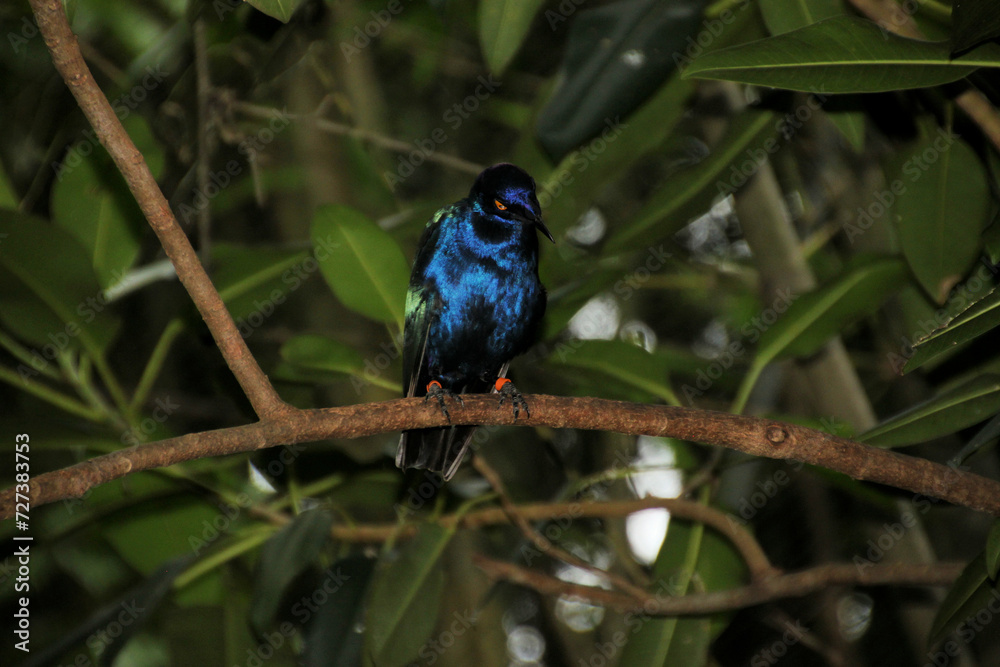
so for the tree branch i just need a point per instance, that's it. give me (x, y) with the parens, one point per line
(374, 138)
(751, 435)
(666, 603)
(68, 61)
(730, 528)
(543, 544)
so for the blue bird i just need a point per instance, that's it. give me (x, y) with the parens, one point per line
(474, 303)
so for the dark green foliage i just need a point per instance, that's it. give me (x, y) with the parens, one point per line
(718, 245)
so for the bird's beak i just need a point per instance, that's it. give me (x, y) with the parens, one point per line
(543, 229)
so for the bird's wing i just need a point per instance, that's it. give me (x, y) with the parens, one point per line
(439, 449)
(423, 304)
(422, 308)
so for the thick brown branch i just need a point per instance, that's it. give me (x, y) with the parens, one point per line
(752, 435)
(69, 63)
(664, 603)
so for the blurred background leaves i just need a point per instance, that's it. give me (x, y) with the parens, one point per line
(721, 246)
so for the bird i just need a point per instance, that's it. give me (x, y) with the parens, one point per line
(474, 302)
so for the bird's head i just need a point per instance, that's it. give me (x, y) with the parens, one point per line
(508, 192)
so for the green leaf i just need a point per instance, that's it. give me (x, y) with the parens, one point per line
(157, 530)
(970, 594)
(99, 211)
(851, 124)
(720, 568)
(257, 279)
(319, 353)
(147, 143)
(973, 22)
(953, 410)
(50, 295)
(92, 201)
(690, 192)
(813, 318)
(406, 593)
(992, 552)
(322, 353)
(363, 265)
(991, 235)
(985, 435)
(129, 614)
(375, 490)
(617, 57)
(782, 16)
(661, 641)
(503, 25)
(279, 9)
(976, 320)
(8, 197)
(331, 638)
(205, 590)
(286, 555)
(942, 205)
(571, 187)
(625, 362)
(841, 55)
(689, 643)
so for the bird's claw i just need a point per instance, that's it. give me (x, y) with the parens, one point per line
(509, 392)
(437, 392)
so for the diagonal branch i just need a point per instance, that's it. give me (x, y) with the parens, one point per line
(540, 542)
(68, 61)
(374, 138)
(751, 435)
(665, 603)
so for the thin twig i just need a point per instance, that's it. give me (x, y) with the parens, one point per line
(979, 109)
(541, 542)
(663, 603)
(374, 138)
(203, 88)
(728, 527)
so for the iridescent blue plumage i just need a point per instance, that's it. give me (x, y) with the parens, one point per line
(474, 303)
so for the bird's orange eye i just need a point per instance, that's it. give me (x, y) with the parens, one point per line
(499, 205)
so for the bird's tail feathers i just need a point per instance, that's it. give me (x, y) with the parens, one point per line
(435, 449)
(439, 449)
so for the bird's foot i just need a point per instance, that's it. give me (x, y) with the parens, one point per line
(508, 391)
(437, 392)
